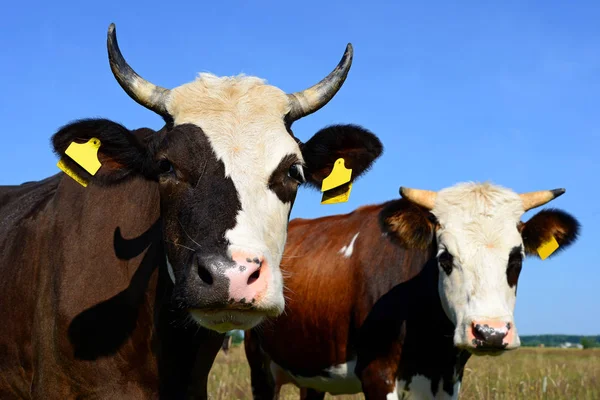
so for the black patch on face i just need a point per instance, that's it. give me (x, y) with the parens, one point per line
(515, 262)
(283, 185)
(199, 204)
(446, 261)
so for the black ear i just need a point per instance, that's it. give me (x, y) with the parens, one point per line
(122, 152)
(356, 145)
(408, 224)
(545, 224)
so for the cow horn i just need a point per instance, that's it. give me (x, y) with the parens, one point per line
(424, 198)
(310, 100)
(536, 199)
(145, 93)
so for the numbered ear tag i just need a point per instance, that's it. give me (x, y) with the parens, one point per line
(84, 154)
(547, 248)
(336, 187)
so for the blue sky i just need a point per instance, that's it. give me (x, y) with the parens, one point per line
(508, 93)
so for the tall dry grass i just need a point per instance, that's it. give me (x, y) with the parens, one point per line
(521, 374)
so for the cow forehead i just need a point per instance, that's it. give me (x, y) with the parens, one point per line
(478, 219)
(243, 118)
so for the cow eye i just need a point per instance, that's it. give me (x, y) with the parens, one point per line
(165, 166)
(446, 262)
(296, 172)
(515, 263)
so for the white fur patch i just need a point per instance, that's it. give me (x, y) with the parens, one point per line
(420, 388)
(393, 395)
(243, 119)
(341, 380)
(347, 250)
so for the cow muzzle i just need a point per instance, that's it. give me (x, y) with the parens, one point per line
(489, 336)
(223, 293)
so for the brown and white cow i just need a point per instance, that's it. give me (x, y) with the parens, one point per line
(107, 290)
(393, 299)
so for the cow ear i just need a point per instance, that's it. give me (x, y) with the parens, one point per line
(356, 145)
(122, 152)
(412, 226)
(546, 224)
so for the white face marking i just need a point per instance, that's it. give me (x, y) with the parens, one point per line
(478, 227)
(243, 119)
(341, 380)
(346, 251)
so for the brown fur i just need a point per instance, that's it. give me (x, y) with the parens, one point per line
(78, 341)
(337, 304)
(412, 226)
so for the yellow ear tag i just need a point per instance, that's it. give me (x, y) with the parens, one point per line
(337, 195)
(546, 249)
(338, 176)
(85, 154)
(336, 187)
(61, 164)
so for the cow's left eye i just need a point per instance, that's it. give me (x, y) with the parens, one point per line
(165, 166)
(446, 261)
(296, 172)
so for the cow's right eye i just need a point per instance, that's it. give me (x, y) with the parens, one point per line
(446, 262)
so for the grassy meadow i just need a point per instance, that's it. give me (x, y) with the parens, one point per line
(526, 373)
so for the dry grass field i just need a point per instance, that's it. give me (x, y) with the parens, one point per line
(527, 373)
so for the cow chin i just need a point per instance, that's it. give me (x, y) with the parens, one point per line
(239, 316)
(226, 320)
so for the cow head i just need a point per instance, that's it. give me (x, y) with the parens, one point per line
(480, 244)
(228, 167)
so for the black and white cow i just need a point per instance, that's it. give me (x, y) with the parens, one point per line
(185, 223)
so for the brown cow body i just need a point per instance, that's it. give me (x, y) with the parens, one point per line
(353, 308)
(80, 334)
(365, 310)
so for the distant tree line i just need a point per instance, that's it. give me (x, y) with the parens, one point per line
(557, 340)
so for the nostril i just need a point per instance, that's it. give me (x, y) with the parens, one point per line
(252, 278)
(205, 274)
(478, 332)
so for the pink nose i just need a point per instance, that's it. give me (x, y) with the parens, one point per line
(491, 334)
(248, 280)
